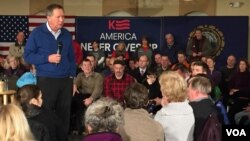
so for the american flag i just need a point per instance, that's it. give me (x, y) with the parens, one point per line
(10, 25)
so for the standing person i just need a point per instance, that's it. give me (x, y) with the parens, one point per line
(99, 55)
(199, 88)
(175, 116)
(144, 49)
(171, 48)
(198, 46)
(17, 49)
(227, 72)
(50, 49)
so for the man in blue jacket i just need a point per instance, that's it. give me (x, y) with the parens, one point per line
(49, 48)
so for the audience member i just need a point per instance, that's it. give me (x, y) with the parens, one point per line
(115, 84)
(109, 67)
(120, 50)
(157, 61)
(215, 77)
(165, 65)
(212, 73)
(144, 49)
(183, 71)
(154, 92)
(170, 49)
(226, 74)
(14, 125)
(182, 59)
(102, 120)
(17, 49)
(14, 71)
(176, 115)
(132, 65)
(198, 46)
(88, 87)
(140, 73)
(30, 99)
(138, 122)
(243, 117)
(199, 67)
(15, 67)
(93, 61)
(99, 54)
(55, 65)
(239, 87)
(27, 77)
(199, 88)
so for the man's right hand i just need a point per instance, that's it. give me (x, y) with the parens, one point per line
(54, 58)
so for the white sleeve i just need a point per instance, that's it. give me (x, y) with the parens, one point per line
(101, 60)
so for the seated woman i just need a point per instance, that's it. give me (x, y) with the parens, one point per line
(14, 71)
(154, 92)
(30, 99)
(176, 115)
(14, 125)
(139, 124)
(239, 87)
(102, 120)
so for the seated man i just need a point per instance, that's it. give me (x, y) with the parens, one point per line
(87, 88)
(115, 84)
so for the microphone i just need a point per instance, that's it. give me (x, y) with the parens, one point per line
(59, 47)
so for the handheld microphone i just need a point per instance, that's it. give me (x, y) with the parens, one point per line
(59, 47)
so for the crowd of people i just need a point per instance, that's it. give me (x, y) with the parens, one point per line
(166, 95)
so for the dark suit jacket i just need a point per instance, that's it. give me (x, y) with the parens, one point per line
(137, 75)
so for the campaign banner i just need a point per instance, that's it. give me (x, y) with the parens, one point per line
(109, 31)
(227, 34)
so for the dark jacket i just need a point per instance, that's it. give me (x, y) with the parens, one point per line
(137, 75)
(202, 109)
(50, 121)
(39, 131)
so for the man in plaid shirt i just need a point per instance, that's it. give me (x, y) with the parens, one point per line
(115, 84)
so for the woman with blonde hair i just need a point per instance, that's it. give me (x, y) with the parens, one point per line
(176, 115)
(14, 126)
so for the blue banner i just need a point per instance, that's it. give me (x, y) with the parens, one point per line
(109, 31)
(228, 34)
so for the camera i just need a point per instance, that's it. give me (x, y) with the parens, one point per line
(151, 106)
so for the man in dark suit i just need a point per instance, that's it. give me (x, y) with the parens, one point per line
(140, 73)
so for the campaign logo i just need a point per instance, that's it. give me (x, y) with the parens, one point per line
(214, 35)
(119, 24)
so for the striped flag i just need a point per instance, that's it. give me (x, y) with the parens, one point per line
(10, 25)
